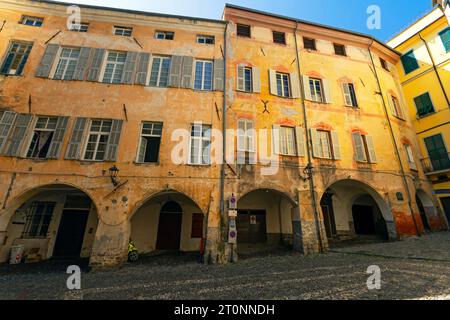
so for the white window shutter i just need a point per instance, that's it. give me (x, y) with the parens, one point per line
(336, 145)
(411, 160)
(240, 78)
(360, 154)
(391, 105)
(316, 144)
(347, 95)
(273, 82)
(326, 91)
(241, 135)
(256, 79)
(371, 149)
(276, 138)
(306, 88)
(295, 85)
(300, 139)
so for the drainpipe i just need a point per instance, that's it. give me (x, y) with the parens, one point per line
(391, 130)
(435, 69)
(309, 168)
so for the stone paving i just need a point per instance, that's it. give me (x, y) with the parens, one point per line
(416, 268)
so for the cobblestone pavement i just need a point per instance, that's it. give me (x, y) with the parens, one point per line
(410, 269)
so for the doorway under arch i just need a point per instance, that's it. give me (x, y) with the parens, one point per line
(426, 208)
(169, 226)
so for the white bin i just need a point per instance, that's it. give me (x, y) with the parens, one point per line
(16, 254)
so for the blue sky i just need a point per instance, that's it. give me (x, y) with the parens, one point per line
(348, 14)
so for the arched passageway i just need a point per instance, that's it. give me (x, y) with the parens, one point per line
(51, 221)
(168, 221)
(352, 209)
(264, 221)
(426, 208)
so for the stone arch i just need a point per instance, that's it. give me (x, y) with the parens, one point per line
(426, 208)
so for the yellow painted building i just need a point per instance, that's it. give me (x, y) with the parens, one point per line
(424, 72)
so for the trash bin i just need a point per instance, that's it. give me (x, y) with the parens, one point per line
(16, 254)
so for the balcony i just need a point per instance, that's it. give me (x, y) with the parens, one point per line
(436, 165)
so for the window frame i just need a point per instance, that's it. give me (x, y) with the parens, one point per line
(311, 41)
(314, 94)
(341, 46)
(249, 136)
(410, 157)
(29, 139)
(26, 54)
(446, 30)
(284, 79)
(410, 55)
(204, 63)
(165, 33)
(281, 34)
(353, 97)
(398, 108)
(158, 80)
(201, 139)
(384, 64)
(105, 63)
(205, 37)
(97, 142)
(288, 142)
(123, 32)
(417, 109)
(152, 135)
(69, 59)
(81, 27)
(28, 230)
(240, 25)
(37, 19)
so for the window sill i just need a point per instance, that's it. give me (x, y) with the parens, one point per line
(151, 164)
(426, 115)
(198, 165)
(11, 75)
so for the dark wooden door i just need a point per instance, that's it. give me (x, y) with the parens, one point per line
(446, 204)
(71, 233)
(363, 220)
(169, 227)
(251, 226)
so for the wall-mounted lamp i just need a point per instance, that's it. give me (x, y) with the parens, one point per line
(113, 173)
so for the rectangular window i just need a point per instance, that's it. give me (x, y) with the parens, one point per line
(384, 64)
(279, 37)
(200, 149)
(123, 31)
(39, 216)
(316, 88)
(160, 72)
(243, 31)
(114, 67)
(283, 85)
(309, 43)
(410, 156)
(197, 226)
(206, 39)
(99, 133)
(246, 135)
(32, 21)
(364, 148)
(396, 108)
(82, 27)
(248, 81)
(43, 133)
(437, 151)
(424, 105)
(324, 139)
(16, 58)
(339, 50)
(409, 62)
(349, 95)
(445, 37)
(67, 63)
(164, 35)
(287, 141)
(150, 142)
(203, 75)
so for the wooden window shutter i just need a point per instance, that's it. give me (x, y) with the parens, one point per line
(219, 74)
(186, 79)
(410, 155)
(273, 82)
(326, 91)
(307, 88)
(240, 78)
(129, 68)
(360, 154)
(256, 80)
(43, 70)
(295, 85)
(300, 139)
(371, 149)
(82, 64)
(347, 95)
(276, 138)
(18, 133)
(96, 64)
(175, 71)
(142, 68)
(6, 122)
(336, 145)
(74, 148)
(391, 105)
(58, 138)
(113, 141)
(317, 149)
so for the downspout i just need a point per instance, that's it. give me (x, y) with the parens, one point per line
(309, 168)
(435, 69)
(391, 130)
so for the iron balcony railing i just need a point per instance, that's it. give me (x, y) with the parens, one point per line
(436, 164)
